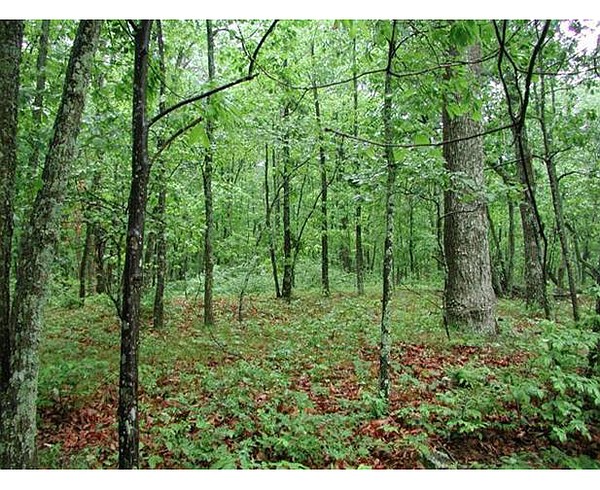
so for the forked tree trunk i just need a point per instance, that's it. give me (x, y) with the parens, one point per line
(133, 268)
(19, 395)
(557, 201)
(470, 302)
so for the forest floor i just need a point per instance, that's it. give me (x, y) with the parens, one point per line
(294, 386)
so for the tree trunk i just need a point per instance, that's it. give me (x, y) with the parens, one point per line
(18, 428)
(85, 260)
(208, 200)
(360, 267)
(11, 39)
(268, 224)
(133, 268)
(161, 239)
(288, 272)
(535, 276)
(38, 100)
(557, 202)
(470, 302)
(388, 249)
(322, 167)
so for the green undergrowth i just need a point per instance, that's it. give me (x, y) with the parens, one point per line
(294, 386)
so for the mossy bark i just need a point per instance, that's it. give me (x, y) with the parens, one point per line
(18, 427)
(388, 248)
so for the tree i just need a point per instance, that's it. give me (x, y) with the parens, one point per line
(18, 399)
(132, 273)
(517, 100)
(388, 248)
(323, 171)
(11, 38)
(161, 239)
(207, 171)
(469, 297)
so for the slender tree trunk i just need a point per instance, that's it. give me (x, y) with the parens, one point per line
(360, 266)
(388, 249)
(509, 181)
(323, 169)
(208, 200)
(161, 239)
(268, 224)
(18, 426)
(11, 39)
(288, 272)
(534, 239)
(101, 273)
(557, 202)
(535, 276)
(85, 260)
(38, 100)
(133, 268)
(470, 302)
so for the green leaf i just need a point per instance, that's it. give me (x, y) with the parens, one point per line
(198, 134)
(421, 139)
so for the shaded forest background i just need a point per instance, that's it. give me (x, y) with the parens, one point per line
(311, 224)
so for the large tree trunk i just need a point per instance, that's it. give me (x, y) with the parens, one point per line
(470, 302)
(11, 38)
(18, 428)
(208, 200)
(388, 248)
(133, 271)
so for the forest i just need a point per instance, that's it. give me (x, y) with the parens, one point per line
(301, 244)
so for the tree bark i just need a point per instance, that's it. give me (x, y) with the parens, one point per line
(208, 200)
(18, 427)
(535, 276)
(133, 269)
(388, 248)
(470, 302)
(11, 39)
(38, 100)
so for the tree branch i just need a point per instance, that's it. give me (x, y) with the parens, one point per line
(418, 145)
(204, 95)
